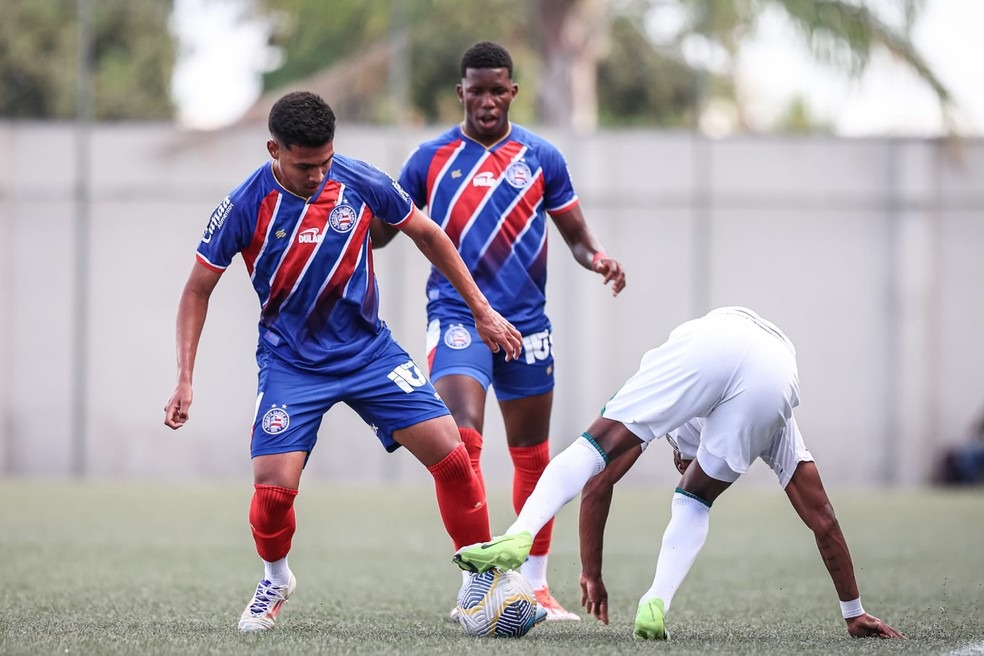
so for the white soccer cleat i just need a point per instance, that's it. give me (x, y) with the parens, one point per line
(262, 610)
(555, 612)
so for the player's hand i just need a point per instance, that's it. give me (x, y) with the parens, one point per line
(613, 272)
(176, 410)
(680, 462)
(594, 597)
(869, 626)
(498, 333)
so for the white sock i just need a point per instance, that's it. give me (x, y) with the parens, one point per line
(682, 541)
(534, 570)
(560, 482)
(277, 572)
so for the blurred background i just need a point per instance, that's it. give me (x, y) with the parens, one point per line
(816, 160)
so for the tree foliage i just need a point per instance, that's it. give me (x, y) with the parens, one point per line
(132, 55)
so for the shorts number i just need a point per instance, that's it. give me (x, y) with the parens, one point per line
(407, 377)
(536, 346)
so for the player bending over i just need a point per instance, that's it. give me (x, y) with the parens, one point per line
(722, 391)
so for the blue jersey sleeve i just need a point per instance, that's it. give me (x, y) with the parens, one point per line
(558, 188)
(413, 177)
(228, 232)
(385, 196)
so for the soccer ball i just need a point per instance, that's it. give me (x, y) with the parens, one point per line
(497, 604)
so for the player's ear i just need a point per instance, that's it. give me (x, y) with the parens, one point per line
(461, 93)
(273, 148)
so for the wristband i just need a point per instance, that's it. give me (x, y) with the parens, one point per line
(599, 255)
(851, 608)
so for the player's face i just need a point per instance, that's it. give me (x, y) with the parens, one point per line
(486, 94)
(299, 168)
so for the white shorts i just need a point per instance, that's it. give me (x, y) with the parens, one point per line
(723, 387)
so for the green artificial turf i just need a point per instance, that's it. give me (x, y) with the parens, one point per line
(130, 568)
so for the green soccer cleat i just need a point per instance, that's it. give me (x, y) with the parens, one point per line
(505, 552)
(650, 621)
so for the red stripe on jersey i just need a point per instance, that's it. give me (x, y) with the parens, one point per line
(208, 265)
(263, 218)
(334, 289)
(297, 255)
(493, 166)
(502, 244)
(439, 161)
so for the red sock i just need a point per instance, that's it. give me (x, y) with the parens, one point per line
(528, 463)
(271, 518)
(460, 499)
(473, 442)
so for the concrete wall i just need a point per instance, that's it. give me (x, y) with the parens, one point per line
(867, 252)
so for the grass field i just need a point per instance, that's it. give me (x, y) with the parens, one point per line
(127, 568)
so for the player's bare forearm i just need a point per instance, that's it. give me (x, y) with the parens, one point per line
(437, 247)
(588, 250)
(192, 310)
(596, 501)
(806, 492)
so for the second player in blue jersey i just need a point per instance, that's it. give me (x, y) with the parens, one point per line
(491, 184)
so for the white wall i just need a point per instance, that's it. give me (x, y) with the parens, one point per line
(866, 252)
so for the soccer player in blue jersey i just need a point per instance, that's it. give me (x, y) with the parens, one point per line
(301, 224)
(490, 184)
(721, 390)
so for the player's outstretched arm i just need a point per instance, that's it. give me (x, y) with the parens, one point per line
(587, 250)
(596, 501)
(436, 246)
(808, 496)
(192, 309)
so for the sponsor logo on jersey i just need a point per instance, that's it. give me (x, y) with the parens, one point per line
(309, 236)
(280, 234)
(457, 337)
(518, 174)
(276, 420)
(403, 194)
(342, 218)
(217, 219)
(484, 179)
(455, 174)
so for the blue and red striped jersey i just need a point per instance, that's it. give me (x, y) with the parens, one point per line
(309, 261)
(492, 203)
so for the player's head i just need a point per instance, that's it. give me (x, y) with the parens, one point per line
(486, 91)
(302, 127)
(486, 54)
(302, 118)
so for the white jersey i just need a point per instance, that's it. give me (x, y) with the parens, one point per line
(726, 383)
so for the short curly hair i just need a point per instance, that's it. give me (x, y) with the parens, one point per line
(302, 118)
(486, 54)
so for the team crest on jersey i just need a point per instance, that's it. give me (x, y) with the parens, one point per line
(457, 337)
(276, 420)
(343, 218)
(518, 174)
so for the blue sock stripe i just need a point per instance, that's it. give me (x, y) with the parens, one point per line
(693, 496)
(597, 447)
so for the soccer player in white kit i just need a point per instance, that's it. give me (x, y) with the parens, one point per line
(721, 389)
